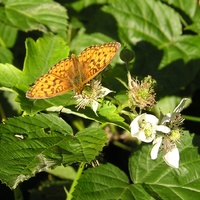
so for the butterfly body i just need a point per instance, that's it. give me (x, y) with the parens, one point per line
(73, 73)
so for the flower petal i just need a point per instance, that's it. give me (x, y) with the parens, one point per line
(104, 91)
(144, 127)
(95, 106)
(135, 126)
(166, 118)
(180, 106)
(172, 158)
(155, 149)
(150, 118)
(163, 128)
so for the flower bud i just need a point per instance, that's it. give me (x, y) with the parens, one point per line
(127, 55)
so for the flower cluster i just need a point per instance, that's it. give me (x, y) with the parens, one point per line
(91, 95)
(163, 135)
(141, 93)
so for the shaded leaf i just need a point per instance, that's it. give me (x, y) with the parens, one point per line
(33, 144)
(190, 8)
(162, 49)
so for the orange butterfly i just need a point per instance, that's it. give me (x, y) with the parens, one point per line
(73, 73)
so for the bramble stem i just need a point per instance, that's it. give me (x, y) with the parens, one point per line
(75, 182)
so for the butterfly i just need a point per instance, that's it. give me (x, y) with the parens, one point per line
(74, 72)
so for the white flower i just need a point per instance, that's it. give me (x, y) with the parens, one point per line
(172, 157)
(171, 152)
(144, 127)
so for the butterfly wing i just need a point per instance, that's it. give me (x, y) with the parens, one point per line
(73, 73)
(95, 58)
(58, 80)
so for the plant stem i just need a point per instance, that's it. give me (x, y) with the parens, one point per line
(2, 114)
(75, 182)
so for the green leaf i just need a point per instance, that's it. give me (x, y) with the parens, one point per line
(34, 106)
(33, 144)
(148, 19)
(63, 172)
(160, 180)
(6, 55)
(102, 182)
(8, 35)
(80, 5)
(167, 105)
(190, 8)
(184, 47)
(107, 113)
(195, 27)
(158, 24)
(137, 192)
(43, 15)
(10, 76)
(43, 54)
(83, 40)
(107, 182)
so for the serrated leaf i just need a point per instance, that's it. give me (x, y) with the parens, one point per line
(40, 15)
(43, 54)
(33, 144)
(156, 23)
(184, 48)
(107, 182)
(26, 124)
(102, 182)
(149, 19)
(106, 113)
(34, 106)
(163, 181)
